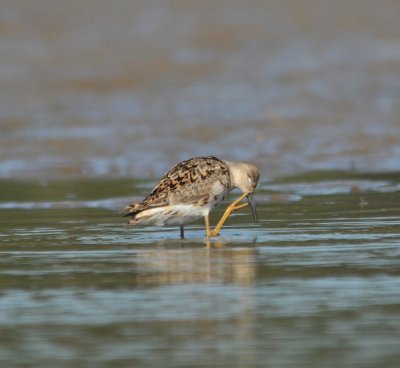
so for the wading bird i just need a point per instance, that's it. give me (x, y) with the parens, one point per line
(192, 189)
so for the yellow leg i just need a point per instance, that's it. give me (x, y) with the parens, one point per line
(208, 232)
(231, 208)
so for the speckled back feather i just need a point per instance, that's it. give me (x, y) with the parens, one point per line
(186, 182)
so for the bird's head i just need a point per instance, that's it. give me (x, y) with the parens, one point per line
(245, 177)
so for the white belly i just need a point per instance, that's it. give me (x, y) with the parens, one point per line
(171, 215)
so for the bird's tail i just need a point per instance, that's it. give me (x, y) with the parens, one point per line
(132, 211)
(143, 216)
(139, 214)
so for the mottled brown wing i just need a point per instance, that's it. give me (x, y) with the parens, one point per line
(187, 182)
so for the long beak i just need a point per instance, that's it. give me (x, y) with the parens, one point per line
(253, 206)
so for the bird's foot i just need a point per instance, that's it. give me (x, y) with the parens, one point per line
(234, 206)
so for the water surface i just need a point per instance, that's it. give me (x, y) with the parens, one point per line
(315, 283)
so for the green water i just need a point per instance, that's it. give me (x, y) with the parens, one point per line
(316, 283)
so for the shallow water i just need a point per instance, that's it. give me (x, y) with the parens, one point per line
(315, 283)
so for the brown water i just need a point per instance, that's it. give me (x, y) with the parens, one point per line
(316, 283)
